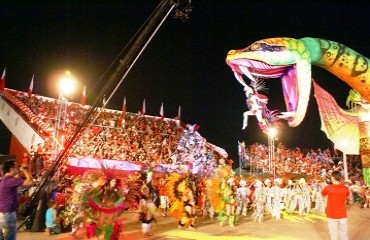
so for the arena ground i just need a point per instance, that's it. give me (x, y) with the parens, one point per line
(290, 227)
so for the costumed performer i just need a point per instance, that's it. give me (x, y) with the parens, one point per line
(243, 198)
(182, 199)
(222, 193)
(146, 210)
(259, 201)
(101, 201)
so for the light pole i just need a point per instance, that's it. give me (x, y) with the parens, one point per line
(66, 87)
(345, 166)
(271, 133)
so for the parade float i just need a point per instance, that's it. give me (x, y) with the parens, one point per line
(291, 60)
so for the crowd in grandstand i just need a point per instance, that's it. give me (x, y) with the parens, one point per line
(311, 162)
(110, 134)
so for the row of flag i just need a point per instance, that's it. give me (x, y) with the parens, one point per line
(2, 84)
(83, 98)
(143, 109)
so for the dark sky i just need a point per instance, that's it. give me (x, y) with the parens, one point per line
(185, 62)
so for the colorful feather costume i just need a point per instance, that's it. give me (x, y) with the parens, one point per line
(99, 200)
(175, 184)
(218, 191)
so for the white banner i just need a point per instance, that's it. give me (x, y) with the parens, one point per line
(98, 163)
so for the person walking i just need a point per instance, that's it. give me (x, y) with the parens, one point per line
(9, 199)
(337, 194)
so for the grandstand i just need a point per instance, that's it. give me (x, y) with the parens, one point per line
(122, 140)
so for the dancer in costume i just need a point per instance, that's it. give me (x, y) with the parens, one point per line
(299, 197)
(147, 181)
(107, 205)
(276, 200)
(306, 191)
(182, 200)
(221, 192)
(100, 198)
(163, 197)
(320, 201)
(228, 194)
(146, 210)
(288, 194)
(268, 194)
(188, 199)
(242, 198)
(259, 201)
(203, 201)
(207, 204)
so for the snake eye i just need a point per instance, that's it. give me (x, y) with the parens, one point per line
(255, 46)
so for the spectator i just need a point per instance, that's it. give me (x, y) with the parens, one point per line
(52, 219)
(25, 159)
(337, 194)
(9, 199)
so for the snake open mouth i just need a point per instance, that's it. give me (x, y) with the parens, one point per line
(258, 64)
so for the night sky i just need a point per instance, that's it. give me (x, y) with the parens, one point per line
(184, 64)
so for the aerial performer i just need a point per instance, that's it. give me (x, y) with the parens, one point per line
(290, 60)
(256, 103)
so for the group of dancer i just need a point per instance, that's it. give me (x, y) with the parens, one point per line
(226, 197)
(100, 198)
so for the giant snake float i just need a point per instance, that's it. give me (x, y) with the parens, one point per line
(291, 60)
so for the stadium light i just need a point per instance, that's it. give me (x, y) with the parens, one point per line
(343, 145)
(67, 84)
(271, 133)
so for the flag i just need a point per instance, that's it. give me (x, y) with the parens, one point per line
(30, 89)
(124, 107)
(161, 111)
(83, 96)
(104, 102)
(143, 109)
(193, 128)
(178, 117)
(241, 148)
(2, 81)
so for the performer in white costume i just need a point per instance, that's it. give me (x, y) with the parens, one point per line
(268, 195)
(259, 201)
(276, 200)
(242, 198)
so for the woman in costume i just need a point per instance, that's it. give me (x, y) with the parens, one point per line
(146, 210)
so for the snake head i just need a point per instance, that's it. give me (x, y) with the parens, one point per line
(284, 58)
